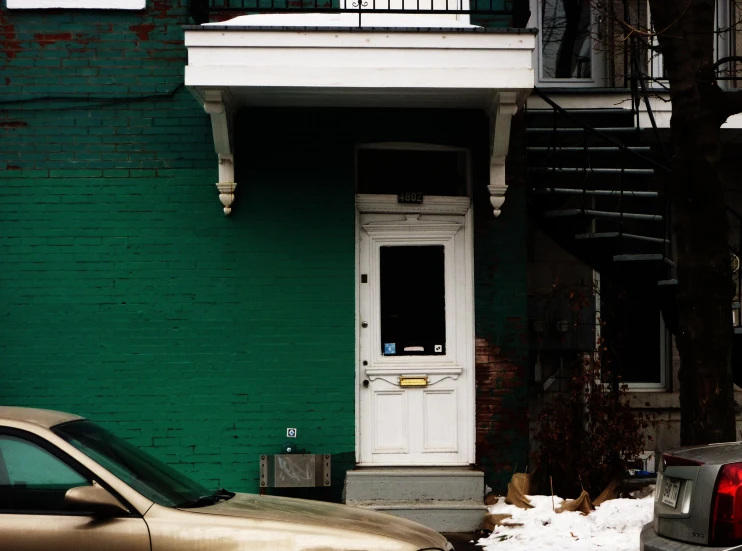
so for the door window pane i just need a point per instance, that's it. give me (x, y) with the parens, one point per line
(565, 39)
(413, 300)
(32, 479)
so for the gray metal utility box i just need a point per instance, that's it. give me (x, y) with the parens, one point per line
(295, 470)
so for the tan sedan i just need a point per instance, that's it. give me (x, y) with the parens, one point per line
(67, 484)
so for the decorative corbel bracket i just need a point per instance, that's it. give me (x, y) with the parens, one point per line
(504, 105)
(218, 106)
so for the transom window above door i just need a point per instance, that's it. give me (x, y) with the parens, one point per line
(398, 168)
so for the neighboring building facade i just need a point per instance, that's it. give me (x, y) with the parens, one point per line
(367, 286)
(600, 233)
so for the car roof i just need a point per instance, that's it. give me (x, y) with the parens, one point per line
(42, 417)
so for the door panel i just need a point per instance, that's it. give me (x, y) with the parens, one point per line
(34, 515)
(391, 435)
(440, 415)
(71, 533)
(416, 340)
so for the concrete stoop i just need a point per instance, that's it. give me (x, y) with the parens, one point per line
(447, 500)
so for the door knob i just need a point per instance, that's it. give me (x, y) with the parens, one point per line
(365, 383)
(364, 324)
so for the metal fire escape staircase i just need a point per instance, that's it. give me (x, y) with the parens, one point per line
(598, 191)
(592, 188)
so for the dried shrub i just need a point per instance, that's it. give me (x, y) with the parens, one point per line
(589, 434)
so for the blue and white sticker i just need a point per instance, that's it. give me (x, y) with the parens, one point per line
(390, 348)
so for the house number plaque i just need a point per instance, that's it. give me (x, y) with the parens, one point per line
(415, 197)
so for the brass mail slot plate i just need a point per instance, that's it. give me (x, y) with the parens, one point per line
(413, 381)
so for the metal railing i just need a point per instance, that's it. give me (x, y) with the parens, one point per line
(625, 154)
(203, 11)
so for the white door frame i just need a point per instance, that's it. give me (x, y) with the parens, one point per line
(461, 330)
(598, 60)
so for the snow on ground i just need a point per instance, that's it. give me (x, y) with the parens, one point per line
(614, 526)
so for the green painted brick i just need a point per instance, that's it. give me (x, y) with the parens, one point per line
(128, 296)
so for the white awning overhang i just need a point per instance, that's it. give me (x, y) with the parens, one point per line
(324, 60)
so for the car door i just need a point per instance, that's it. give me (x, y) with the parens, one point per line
(34, 477)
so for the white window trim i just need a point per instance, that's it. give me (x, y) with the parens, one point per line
(598, 60)
(663, 367)
(77, 4)
(664, 346)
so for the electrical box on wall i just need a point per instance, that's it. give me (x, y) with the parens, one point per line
(295, 470)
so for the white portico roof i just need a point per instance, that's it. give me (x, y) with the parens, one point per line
(331, 60)
(394, 60)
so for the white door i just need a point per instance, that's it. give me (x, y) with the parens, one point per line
(416, 349)
(572, 35)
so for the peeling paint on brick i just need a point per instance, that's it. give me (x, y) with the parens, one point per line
(142, 30)
(9, 43)
(84, 40)
(162, 8)
(8, 166)
(45, 39)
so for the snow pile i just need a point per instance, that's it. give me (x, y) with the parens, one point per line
(614, 525)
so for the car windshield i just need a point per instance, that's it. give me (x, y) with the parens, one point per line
(147, 475)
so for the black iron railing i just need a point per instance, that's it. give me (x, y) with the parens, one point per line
(203, 11)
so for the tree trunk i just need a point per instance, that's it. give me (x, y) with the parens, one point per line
(705, 288)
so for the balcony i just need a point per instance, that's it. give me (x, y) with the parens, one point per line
(376, 54)
(394, 53)
(491, 13)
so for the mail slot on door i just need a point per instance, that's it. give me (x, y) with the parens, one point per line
(413, 381)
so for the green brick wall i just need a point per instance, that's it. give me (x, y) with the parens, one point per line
(127, 296)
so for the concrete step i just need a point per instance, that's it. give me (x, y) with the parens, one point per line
(447, 500)
(414, 484)
(442, 516)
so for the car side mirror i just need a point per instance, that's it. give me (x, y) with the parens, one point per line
(95, 500)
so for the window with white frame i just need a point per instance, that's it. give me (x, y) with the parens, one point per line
(630, 320)
(77, 4)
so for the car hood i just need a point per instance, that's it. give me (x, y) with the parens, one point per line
(320, 513)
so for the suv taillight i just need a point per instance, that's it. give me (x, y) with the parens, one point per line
(726, 507)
